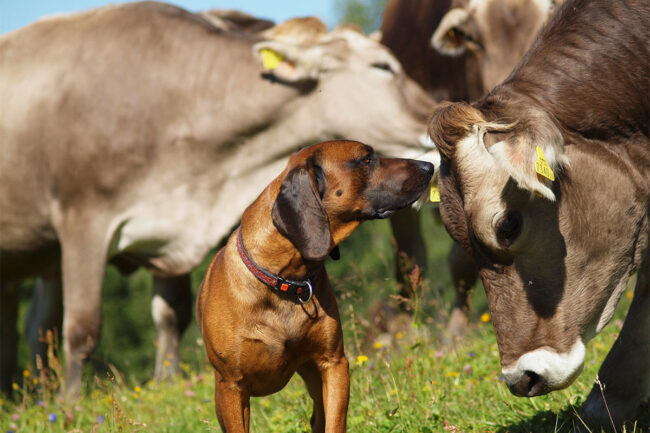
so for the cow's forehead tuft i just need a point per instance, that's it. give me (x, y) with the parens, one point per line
(298, 30)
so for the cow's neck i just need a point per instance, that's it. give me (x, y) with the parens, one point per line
(592, 77)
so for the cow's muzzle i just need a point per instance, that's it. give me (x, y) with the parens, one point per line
(544, 370)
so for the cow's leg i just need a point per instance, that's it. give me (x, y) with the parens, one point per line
(45, 313)
(171, 308)
(8, 334)
(84, 244)
(406, 229)
(310, 374)
(625, 373)
(464, 274)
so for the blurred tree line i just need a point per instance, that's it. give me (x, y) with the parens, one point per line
(366, 14)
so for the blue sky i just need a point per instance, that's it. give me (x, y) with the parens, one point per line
(17, 13)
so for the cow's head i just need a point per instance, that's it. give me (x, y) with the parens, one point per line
(554, 256)
(497, 33)
(344, 73)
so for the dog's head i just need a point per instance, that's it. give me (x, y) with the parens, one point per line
(329, 188)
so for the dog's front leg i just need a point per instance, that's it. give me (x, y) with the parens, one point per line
(336, 393)
(232, 405)
(312, 377)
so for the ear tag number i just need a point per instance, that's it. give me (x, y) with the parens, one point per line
(434, 195)
(271, 59)
(542, 167)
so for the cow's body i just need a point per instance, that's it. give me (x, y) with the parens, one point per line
(143, 131)
(555, 263)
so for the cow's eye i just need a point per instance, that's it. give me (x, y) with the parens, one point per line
(383, 66)
(508, 228)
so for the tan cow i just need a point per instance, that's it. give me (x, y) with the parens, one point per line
(546, 181)
(142, 131)
(494, 33)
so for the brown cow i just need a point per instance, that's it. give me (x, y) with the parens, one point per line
(142, 130)
(555, 255)
(493, 33)
(406, 28)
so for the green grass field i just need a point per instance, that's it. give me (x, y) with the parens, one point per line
(410, 380)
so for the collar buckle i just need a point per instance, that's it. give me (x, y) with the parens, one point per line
(311, 292)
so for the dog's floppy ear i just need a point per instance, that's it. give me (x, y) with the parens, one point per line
(300, 216)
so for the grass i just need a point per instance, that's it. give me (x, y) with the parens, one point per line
(406, 380)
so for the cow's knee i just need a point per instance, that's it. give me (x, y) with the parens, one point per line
(81, 329)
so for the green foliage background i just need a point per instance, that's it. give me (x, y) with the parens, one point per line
(364, 13)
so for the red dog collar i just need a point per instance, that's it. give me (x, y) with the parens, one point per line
(276, 282)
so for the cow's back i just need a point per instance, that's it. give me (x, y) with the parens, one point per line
(590, 68)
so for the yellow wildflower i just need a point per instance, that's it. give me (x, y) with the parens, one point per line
(167, 363)
(485, 317)
(361, 359)
(14, 386)
(25, 373)
(34, 381)
(399, 335)
(378, 345)
(137, 389)
(628, 294)
(451, 374)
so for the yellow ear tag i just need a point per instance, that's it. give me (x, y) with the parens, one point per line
(542, 167)
(271, 59)
(434, 195)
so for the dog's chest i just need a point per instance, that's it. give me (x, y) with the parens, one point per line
(273, 350)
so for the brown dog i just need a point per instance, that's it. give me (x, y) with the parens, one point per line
(266, 308)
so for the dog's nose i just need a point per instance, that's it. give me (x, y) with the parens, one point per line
(426, 167)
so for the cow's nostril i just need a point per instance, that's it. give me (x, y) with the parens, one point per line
(535, 383)
(529, 385)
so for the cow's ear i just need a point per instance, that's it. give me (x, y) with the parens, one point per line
(532, 154)
(292, 63)
(450, 38)
(299, 215)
